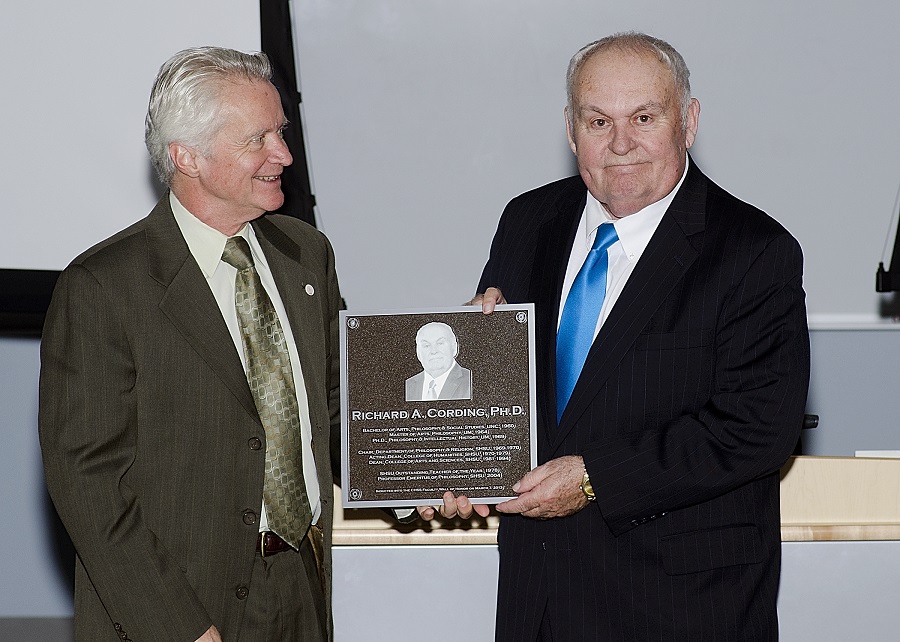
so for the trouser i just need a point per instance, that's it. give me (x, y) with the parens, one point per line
(286, 602)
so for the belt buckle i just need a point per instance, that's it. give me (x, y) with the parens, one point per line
(262, 542)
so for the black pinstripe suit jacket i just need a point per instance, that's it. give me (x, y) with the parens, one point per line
(691, 399)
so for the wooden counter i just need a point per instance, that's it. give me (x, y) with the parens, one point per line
(822, 499)
(840, 499)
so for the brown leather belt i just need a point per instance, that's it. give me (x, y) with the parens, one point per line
(268, 543)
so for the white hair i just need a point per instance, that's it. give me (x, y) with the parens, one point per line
(446, 328)
(184, 103)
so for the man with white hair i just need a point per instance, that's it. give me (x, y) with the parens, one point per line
(189, 384)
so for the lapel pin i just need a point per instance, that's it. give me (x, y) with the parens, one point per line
(310, 290)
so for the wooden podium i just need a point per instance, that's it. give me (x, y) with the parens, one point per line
(840, 498)
(822, 499)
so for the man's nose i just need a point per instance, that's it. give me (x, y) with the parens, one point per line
(280, 154)
(621, 140)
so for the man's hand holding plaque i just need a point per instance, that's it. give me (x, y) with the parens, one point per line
(460, 506)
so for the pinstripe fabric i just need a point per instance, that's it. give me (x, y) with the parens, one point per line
(153, 448)
(690, 401)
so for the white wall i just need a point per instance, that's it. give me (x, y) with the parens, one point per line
(76, 80)
(830, 592)
(426, 117)
(32, 545)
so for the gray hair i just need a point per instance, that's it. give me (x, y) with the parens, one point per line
(184, 103)
(634, 42)
(447, 330)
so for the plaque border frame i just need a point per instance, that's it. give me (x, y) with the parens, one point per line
(343, 317)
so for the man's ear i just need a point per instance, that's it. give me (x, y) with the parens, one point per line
(569, 132)
(185, 159)
(693, 122)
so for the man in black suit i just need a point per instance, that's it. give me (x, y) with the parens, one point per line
(654, 512)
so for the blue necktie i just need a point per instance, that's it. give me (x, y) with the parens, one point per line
(579, 317)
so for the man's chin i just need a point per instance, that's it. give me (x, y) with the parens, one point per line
(273, 203)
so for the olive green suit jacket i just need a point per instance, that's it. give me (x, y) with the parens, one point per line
(149, 432)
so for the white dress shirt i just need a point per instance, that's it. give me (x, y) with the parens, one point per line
(634, 232)
(438, 382)
(206, 245)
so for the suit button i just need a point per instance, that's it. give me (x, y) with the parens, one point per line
(255, 443)
(249, 517)
(242, 592)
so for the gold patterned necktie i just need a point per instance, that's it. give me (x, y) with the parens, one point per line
(272, 384)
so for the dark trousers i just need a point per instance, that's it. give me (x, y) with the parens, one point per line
(286, 602)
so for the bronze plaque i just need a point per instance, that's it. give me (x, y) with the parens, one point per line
(436, 400)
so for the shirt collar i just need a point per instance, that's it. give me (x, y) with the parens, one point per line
(634, 231)
(439, 381)
(205, 243)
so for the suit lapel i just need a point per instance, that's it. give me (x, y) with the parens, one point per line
(663, 264)
(551, 261)
(453, 383)
(189, 303)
